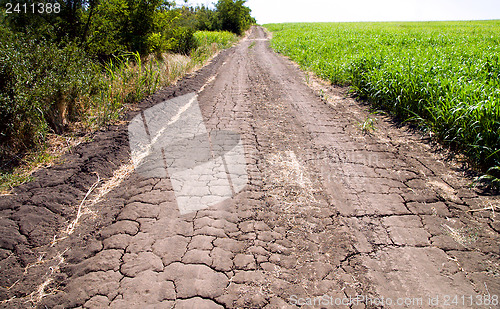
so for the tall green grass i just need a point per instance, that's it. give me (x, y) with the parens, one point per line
(445, 76)
(209, 42)
(129, 77)
(223, 39)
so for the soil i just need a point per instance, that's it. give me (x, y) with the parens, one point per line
(330, 210)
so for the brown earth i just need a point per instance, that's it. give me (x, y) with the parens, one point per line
(329, 211)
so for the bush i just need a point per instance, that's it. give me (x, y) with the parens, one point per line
(234, 16)
(156, 43)
(39, 87)
(206, 19)
(182, 40)
(178, 40)
(106, 31)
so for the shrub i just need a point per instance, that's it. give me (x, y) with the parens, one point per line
(106, 30)
(182, 40)
(206, 19)
(39, 87)
(234, 16)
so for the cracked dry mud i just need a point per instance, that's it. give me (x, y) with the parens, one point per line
(327, 210)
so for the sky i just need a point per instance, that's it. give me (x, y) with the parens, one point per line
(279, 11)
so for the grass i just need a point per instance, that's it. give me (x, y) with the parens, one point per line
(464, 236)
(117, 85)
(443, 76)
(223, 39)
(129, 77)
(36, 159)
(368, 125)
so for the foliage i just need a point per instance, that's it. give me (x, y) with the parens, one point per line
(210, 42)
(233, 16)
(443, 75)
(109, 28)
(228, 15)
(181, 40)
(206, 19)
(37, 97)
(67, 25)
(39, 89)
(223, 39)
(106, 29)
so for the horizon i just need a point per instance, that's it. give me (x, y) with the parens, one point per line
(381, 21)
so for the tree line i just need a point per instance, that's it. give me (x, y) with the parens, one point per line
(107, 27)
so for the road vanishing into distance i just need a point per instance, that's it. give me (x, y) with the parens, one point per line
(330, 215)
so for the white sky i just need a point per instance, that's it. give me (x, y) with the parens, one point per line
(278, 11)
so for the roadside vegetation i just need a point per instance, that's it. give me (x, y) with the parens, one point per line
(442, 76)
(67, 73)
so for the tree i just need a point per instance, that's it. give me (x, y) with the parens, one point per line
(67, 25)
(106, 28)
(234, 16)
(206, 19)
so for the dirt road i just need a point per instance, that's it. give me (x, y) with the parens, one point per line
(358, 220)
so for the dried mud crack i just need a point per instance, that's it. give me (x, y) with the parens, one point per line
(327, 210)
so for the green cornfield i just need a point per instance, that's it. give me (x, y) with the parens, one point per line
(443, 76)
